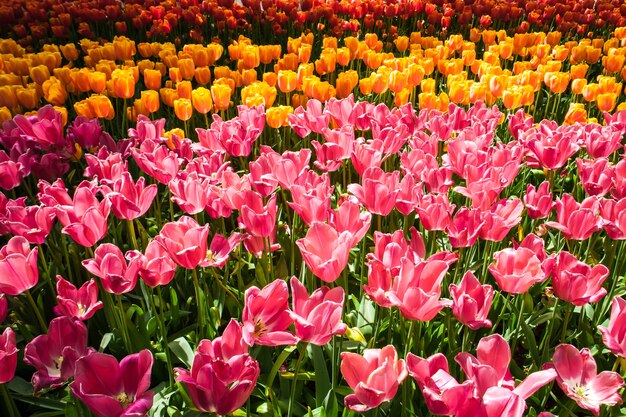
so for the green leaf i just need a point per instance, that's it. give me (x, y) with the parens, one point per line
(322, 379)
(182, 350)
(330, 405)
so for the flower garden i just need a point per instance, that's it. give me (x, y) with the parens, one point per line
(312, 208)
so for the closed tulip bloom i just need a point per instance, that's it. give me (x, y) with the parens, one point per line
(516, 270)
(123, 83)
(578, 377)
(266, 315)
(325, 251)
(183, 109)
(221, 96)
(152, 79)
(576, 282)
(374, 377)
(8, 355)
(81, 303)
(278, 116)
(116, 275)
(124, 390)
(614, 336)
(201, 100)
(18, 266)
(101, 106)
(471, 302)
(150, 100)
(223, 374)
(317, 318)
(258, 219)
(54, 354)
(185, 241)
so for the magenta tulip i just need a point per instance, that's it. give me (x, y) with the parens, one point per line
(80, 303)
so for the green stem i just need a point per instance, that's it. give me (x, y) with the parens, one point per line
(42, 322)
(196, 285)
(131, 232)
(568, 313)
(301, 355)
(159, 314)
(124, 327)
(519, 325)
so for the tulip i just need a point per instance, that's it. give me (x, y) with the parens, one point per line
(500, 219)
(55, 353)
(156, 160)
(614, 336)
(32, 222)
(18, 266)
(596, 175)
(117, 276)
(516, 270)
(185, 241)
(464, 229)
(257, 219)
(80, 303)
(191, 193)
(577, 282)
(266, 316)
(577, 221)
(471, 302)
(8, 355)
(538, 201)
(130, 200)
(378, 192)
(374, 377)
(325, 250)
(4, 307)
(578, 378)
(221, 96)
(220, 248)
(201, 100)
(157, 268)
(317, 318)
(223, 374)
(112, 389)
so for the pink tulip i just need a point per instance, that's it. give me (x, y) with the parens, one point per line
(130, 200)
(85, 218)
(112, 389)
(262, 176)
(538, 201)
(619, 180)
(317, 318)
(32, 222)
(595, 175)
(500, 219)
(329, 156)
(156, 160)
(54, 354)
(235, 136)
(613, 214)
(8, 355)
(471, 302)
(409, 194)
(106, 167)
(303, 122)
(191, 193)
(435, 211)
(185, 241)
(349, 217)
(465, 226)
(157, 268)
(80, 303)
(516, 270)
(18, 266)
(4, 307)
(255, 217)
(266, 316)
(577, 221)
(374, 377)
(614, 336)
(220, 248)
(378, 190)
(579, 379)
(552, 147)
(289, 166)
(223, 374)
(341, 110)
(116, 276)
(602, 141)
(257, 246)
(10, 172)
(325, 251)
(367, 154)
(311, 204)
(576, 282)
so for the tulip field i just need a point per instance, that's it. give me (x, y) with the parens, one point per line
(265, 208)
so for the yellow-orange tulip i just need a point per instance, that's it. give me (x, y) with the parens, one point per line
(215, 51)
(183, 89)
(248, 76)
(82, 108)
(477, 92)
(613, 63)
(101, 106)
(287, 81)
(202, 75)
(278, 116)
(54, 92)
(97, 81)
(557, 82)
(69, 51)
(168, 96)
(578, 71)
(124, 48)
(578, 85)
(606, 101)
(80, 80)
(575, 113)
(258, 93)
(402, 43)
(250, 56)
(345, 83)
(201, 100)
(186, 68)
(27, 97)
(5, 114)
(365, 85)
(123, 83)
(183, 109)
(398, 80)
(150, 100)
(221, 96)
(39, 74)
(428, 85)
(152, 79)
(590, 92)
(380, 82)
(304, 55)
(512, 97)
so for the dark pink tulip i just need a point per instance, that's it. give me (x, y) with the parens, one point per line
(516, 270)
(378, 191)
(156, 160)
(576, 282)
(147, 129)
(80, 303)
(85, 132)
(190, 193)
(18, 266)
(442, 393)
(266, 316)
(8, 355)
(614, 336)
(55, 354)
(235, 136)
(185, 241)
(500, 219)
(538, 201)
(116, 276)
(223, 374)
(4, 307)
(577, 221)
(258, 245)
(157, 268)
(50, 166)
(45, 128)
(465, 226)
(329, 156)
(520, 121)
(595, 175)
(220, 248)
(209, 166)
(105, 167)
(317, 318)
(349, 217)
(10, 172)
(435, 211)
(255, 217)
(578, 377)
(325, 251)
(112, 389)
(471, 301)
(130, 200)
(619, 180)
(409, 194)
(262, 176)
(602, 141)
(32, 222)
(374, 377)
(614, 215)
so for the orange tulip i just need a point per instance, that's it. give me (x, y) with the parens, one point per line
(266, 53)
(397, 80)
(278, 116)
(402, 43)
(512, 97)
(201, 100)
(123, 83)
(101, 106)
(323, 91)
(97, 81)
(152, 79)
(221, 96)
(380, 82)
(186, 68)
(327, 62)
(557, 82)
(54, 92)
(575, 114)
(258, 93)
(270, 78)
(183, 109)
(80, 80)
(578, 84)
(365, 86)
(27, 97)
(202, 75)
(183, 89)
(345, 83)
(39, 74)
(402, 97)
(497, 85)
(124, 48)
(150, 100)
(250, 56)
(304, 70)
(304, 55)
(352, 44)
(477, 92)
(287, 81)
(578, 71)
(175, 74)
(168, 96)
(428, 85)
(606, 101)
(611, 63)
(248, 76)
(69, 51)
(5, 114)
(590, 92)
(214, 52)
(608, 84)
(343, 56)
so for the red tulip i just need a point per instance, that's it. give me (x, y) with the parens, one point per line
(8, 355)
(80, 303)
(18, 266)
(112, 389)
